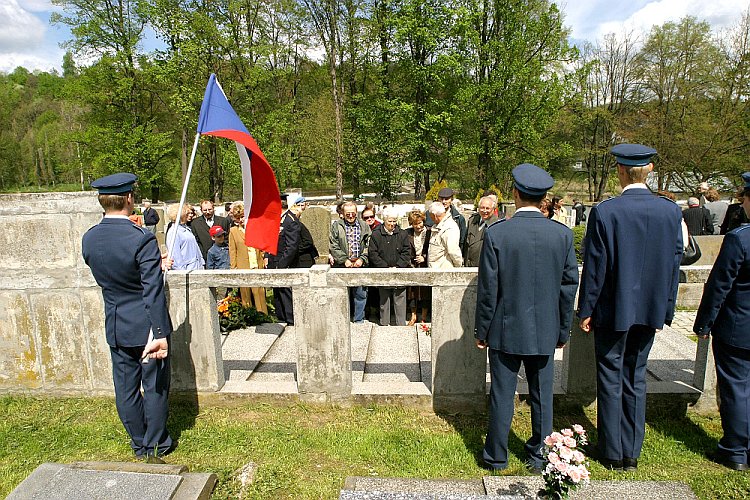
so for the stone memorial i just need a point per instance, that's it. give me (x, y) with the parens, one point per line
(114, 481)
(318, 222)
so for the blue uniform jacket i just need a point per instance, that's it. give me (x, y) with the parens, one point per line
(725, 306)
(528, 278)
(631, 262)
(126, 263)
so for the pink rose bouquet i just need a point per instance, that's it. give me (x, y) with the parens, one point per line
(566, 468)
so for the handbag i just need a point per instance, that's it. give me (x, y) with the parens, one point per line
(692, 252)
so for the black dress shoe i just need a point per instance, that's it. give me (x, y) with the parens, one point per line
(611, 464)
(629, 464)
(729, 464)
(534, 468)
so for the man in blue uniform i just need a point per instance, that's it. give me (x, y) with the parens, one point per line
(628, 290)
(528, 278)
(126, 263)
(724, 311)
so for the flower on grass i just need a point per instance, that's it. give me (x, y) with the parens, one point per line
(566, 467)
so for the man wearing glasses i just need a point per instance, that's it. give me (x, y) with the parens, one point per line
(348, 247)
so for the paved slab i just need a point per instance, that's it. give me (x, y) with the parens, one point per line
(424, 342)
(528, 486)
(393, 355)
(113, 481)
(280, 362)
(384, 495)
(360, 335)
(243, 349)
(418, 486)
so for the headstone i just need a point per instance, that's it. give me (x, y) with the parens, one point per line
(528, 486)
(114, 481)
(318, 222)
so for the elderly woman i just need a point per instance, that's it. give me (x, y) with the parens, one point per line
(184, 250)
(389, 248)
(368, 215)
(243, 257)
(419, 243)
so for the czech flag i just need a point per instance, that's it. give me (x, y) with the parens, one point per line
(260, 192)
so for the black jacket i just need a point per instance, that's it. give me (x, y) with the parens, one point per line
(150, 217)
(389, 250)
(698, 220)
(307, 251)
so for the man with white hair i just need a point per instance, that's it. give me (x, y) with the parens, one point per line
(445, 250)
(389, 247)
(478, 223)
(697, 218)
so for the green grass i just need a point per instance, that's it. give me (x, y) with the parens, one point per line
(306, 451)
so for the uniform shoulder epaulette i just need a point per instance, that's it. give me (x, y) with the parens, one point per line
(605, 201)
(496, 222)
(139, 228)
(740, 228)
(668, 199)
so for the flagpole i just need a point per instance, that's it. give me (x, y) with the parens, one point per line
(170, 250)
(144, 359)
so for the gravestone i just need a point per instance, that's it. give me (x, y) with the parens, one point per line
(114, 481)
(318, 222)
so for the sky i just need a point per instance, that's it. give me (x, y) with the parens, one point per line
(27, 39)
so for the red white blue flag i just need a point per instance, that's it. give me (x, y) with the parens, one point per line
(260, 192)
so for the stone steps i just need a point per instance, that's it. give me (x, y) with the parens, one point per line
(397, 360)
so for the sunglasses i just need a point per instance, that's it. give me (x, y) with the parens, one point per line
(368, 217)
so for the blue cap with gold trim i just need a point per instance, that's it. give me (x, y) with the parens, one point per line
(532, 180)
(115, 184)
(746, 179)
(632, 155)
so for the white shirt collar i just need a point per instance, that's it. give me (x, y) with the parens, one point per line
(116, 217)
(528, 209)
(637, 185)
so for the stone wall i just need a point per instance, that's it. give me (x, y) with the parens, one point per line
(52, 320)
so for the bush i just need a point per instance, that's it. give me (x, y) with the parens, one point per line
(432, 194)
(579, 232)
(492, 188)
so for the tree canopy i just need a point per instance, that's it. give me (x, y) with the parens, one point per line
(372, 96)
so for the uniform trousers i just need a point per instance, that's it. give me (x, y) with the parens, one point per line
(397, 297)
(621, 359)
(540, 374)
(733, 379)
(143, 415)
(282, 302)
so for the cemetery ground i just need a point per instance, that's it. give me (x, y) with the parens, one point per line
(306, 450)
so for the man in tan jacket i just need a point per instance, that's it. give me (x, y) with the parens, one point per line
(445, 251)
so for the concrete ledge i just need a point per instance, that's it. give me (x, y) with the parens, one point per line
(422, 486)
(394, 388)
(138, 467)
(259, 387)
